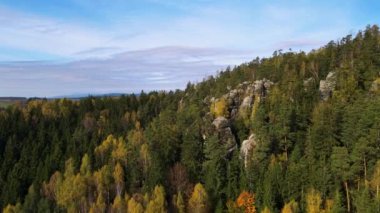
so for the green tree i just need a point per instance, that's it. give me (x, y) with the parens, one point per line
(341, 166)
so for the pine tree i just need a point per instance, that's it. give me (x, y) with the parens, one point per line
(341, 167)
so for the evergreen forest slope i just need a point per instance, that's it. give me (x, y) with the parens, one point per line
(295, 132)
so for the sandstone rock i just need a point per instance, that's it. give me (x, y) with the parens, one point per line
(227, 139)
(221, 122)
(246, 147)
(326, 87)
(261, 87)
(247, 102)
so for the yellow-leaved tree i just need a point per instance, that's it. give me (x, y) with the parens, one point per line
(179, 203)
(12, 209)
(313, 201)
(198, 202)
(118, 175)
(119, 205)
(134, 206)
(157, 202)
(265, 210)
(291, 207)
(219, 107)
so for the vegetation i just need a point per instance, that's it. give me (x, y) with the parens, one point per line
(161, 152)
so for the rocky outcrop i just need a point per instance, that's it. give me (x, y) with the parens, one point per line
(246, 148)
(238, 101)
(247, 102)
(221, 123)
(262, 87)
(326, 87)
(223, 129)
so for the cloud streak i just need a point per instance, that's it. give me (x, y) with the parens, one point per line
(151, 69)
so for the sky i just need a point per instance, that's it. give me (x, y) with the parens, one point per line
(51, 48)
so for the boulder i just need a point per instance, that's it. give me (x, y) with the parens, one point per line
(246, 147)
(221, 122)
(247, 102)
(326, 87)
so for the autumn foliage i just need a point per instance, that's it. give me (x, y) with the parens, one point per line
(246, 201)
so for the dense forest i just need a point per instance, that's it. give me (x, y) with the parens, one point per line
(295, 132)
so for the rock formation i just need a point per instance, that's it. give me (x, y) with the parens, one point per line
(223, 128)
(239, 101)
(246, 148)
(326, 87)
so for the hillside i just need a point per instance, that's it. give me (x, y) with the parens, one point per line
(295, 132)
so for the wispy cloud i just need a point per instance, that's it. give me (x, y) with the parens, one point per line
(150, 69)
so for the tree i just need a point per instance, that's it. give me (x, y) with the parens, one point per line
(100, 205)
(178, 178)
(341, 167)
(219, 107)
(246, 201)
(198, 202)
(31, 200)
(375, 182)
(363, 202)
(134, 206)
(337, 205)
(119, 205)
(180, 203)
(265, 210)
(215, 170)
(118, 175)
(291, 207)
(313, 201)
(157, 202)
(85, 168)
(12, 209)
(103, 181)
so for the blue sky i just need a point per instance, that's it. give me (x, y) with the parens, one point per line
(63, 47)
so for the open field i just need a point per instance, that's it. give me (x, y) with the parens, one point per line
(7, 101)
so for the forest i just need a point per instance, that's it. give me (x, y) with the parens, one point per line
(294, 132)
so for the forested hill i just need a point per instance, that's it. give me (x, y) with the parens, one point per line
(296, 132)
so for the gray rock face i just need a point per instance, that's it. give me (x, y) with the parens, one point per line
(246, 148)
(226, 138)
(247, 102)
(239, 100)
(326, 87)
(221, 122)
(262, 87)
